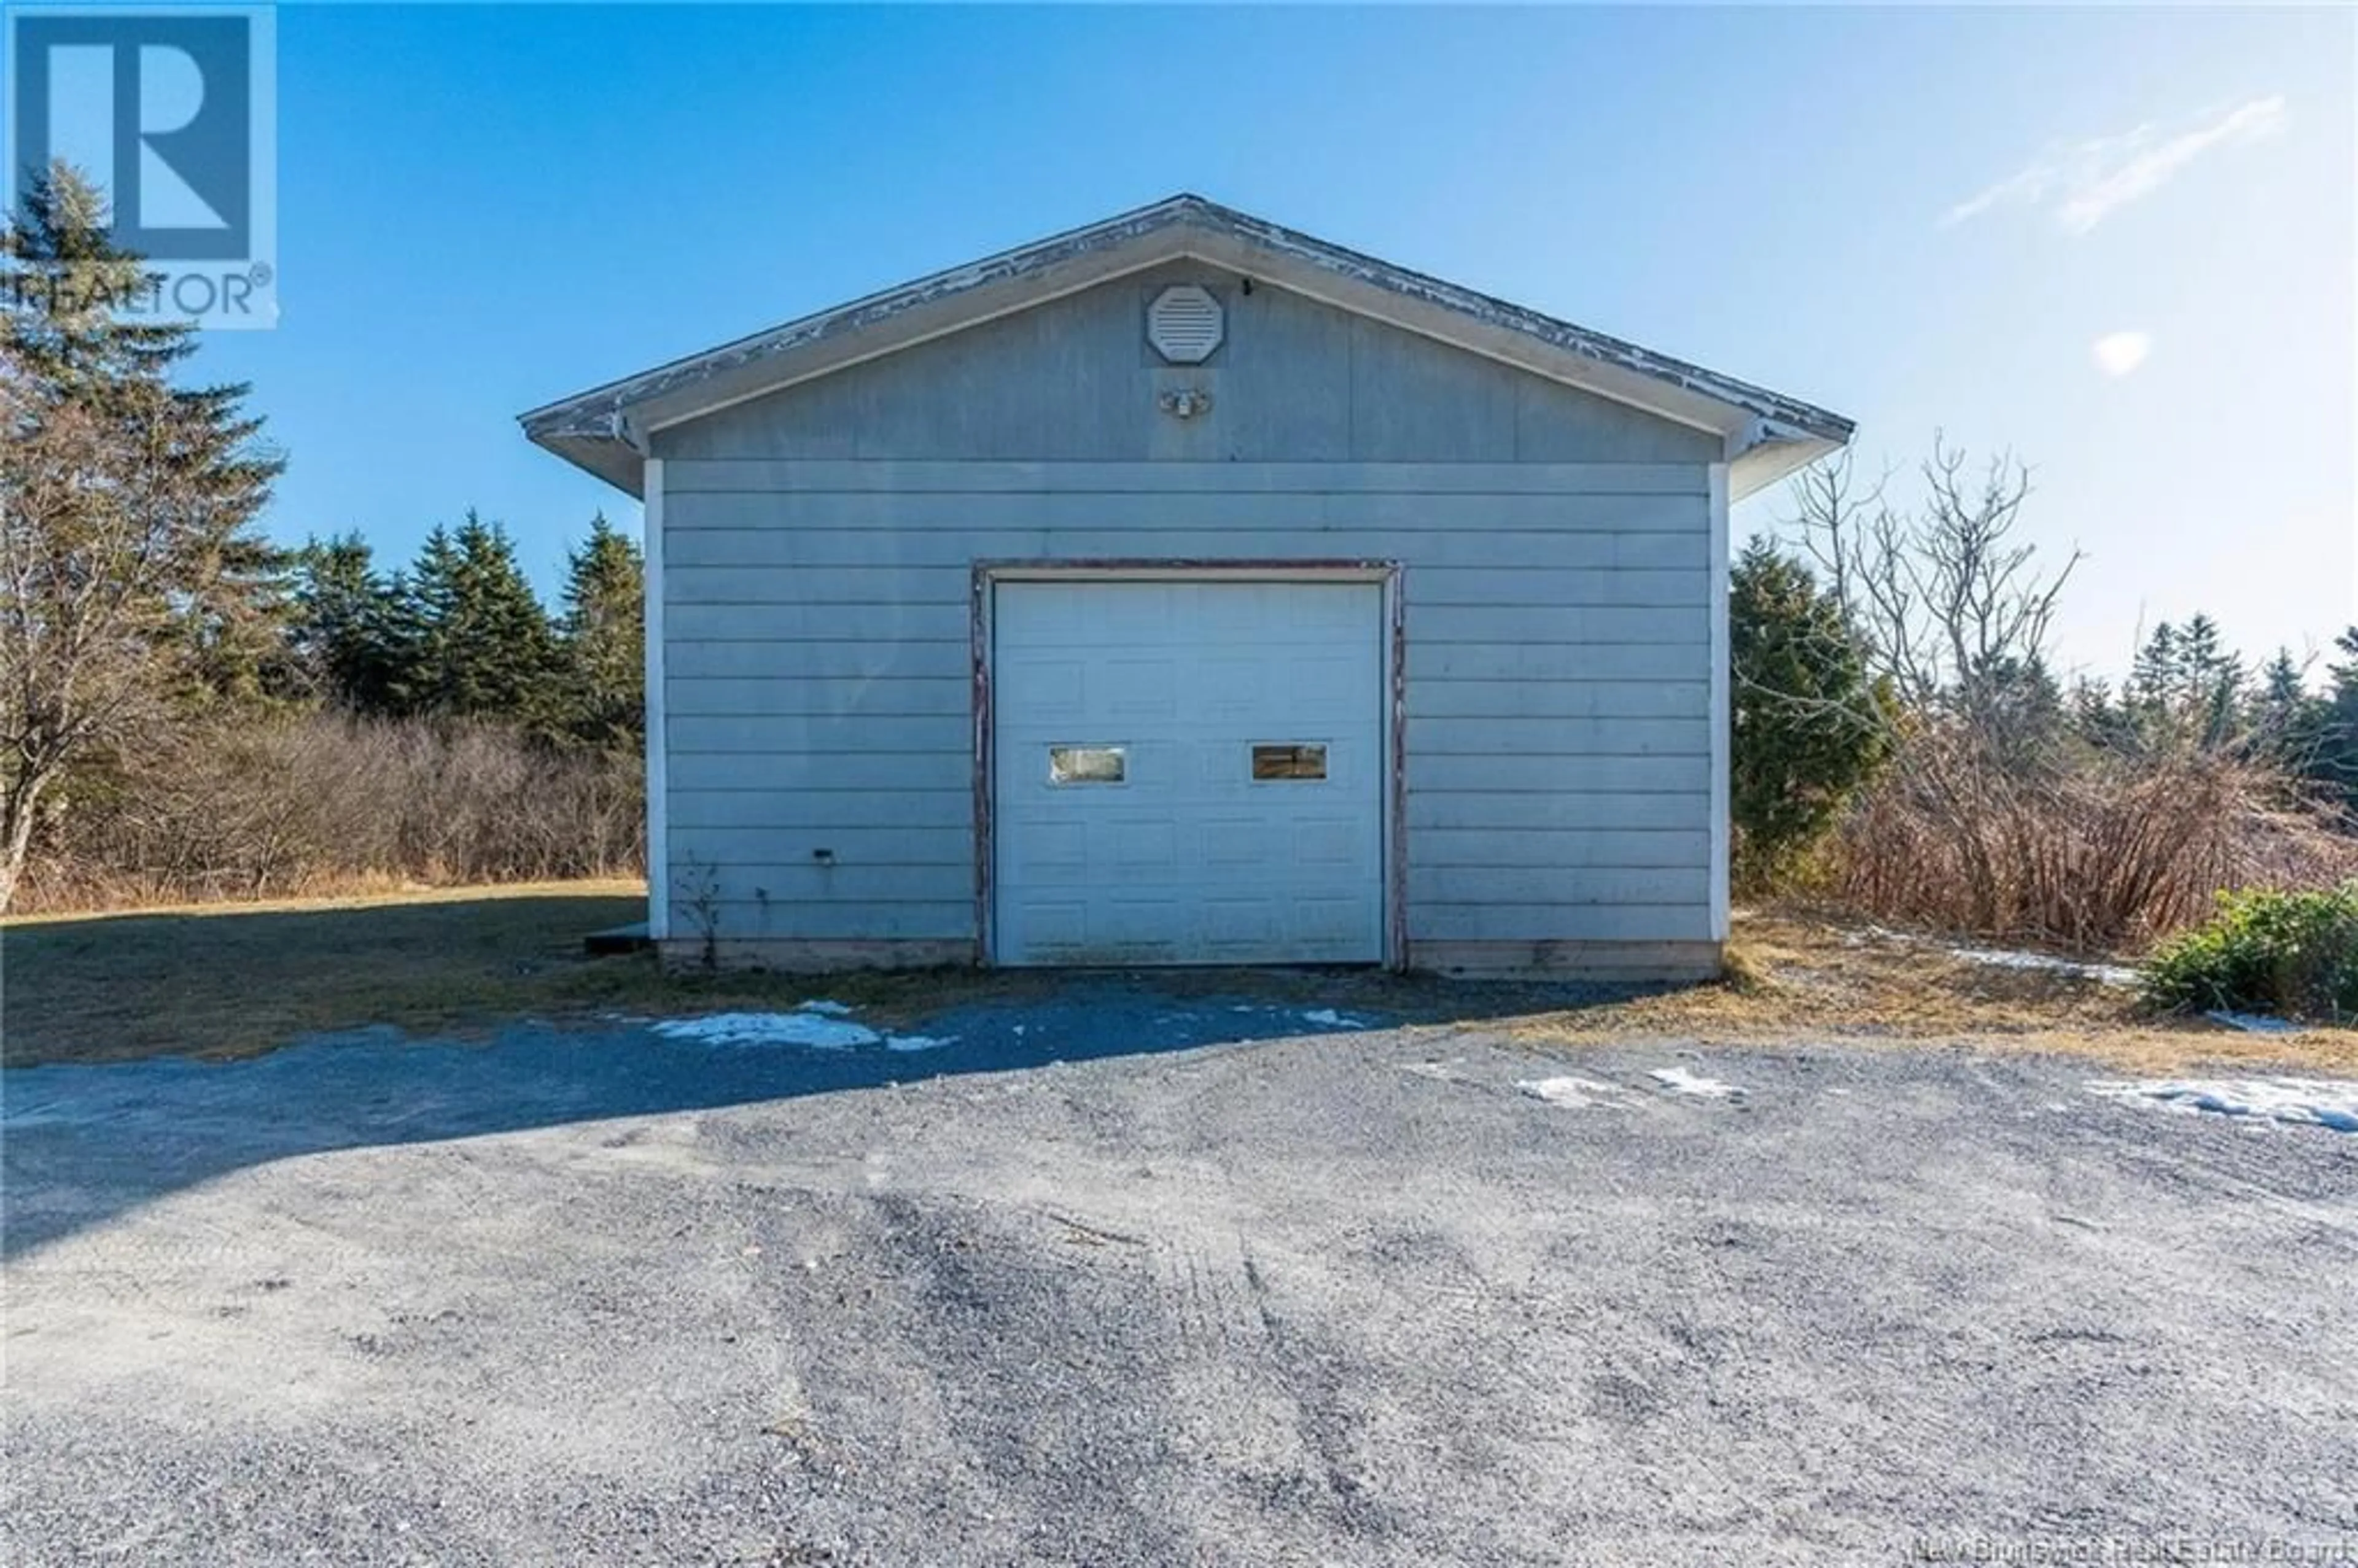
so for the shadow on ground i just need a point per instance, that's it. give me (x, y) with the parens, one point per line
(86, 1141)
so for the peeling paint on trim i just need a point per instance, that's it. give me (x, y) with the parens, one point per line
(985, 755)
(592, 417)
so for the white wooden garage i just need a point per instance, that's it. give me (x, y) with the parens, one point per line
(1185, 590)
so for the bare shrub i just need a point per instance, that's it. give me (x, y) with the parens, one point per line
(1999, 814)
(327, 803)
(2098, 852)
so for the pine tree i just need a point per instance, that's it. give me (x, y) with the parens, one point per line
(2096, 719)
(138, 581)
(2334, 758)
(423, 604)
(485, 649)
(603, 629)
(1810, 724)
(2280, 715)
(2153, 677)
(2187, 688)
(2210, 684)
(351, 637)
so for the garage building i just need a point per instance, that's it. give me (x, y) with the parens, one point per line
(1185, 590)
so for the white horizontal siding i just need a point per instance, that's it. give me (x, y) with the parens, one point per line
(742, 914)
(867, 620)
(821, 735)
(757, 544)
(1521, 626)
(790, 811)
(1293, 380)
(1523, 812)
(771, 695)
(806, 882)
(1553, 737)
(796, 769)
(1568, 885)
(772, 478)
(1447, 773)
(1446, 699)
(1484, 588)
(1220, 513)
(819, 689)
(1468, 848)
(771, 658)
(1491, 919)
(735, 829)
(1522, 663)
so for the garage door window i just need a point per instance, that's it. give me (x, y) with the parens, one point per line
(1087, 764)
(1296, 761)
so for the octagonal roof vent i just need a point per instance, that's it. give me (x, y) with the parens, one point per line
(1184, 323)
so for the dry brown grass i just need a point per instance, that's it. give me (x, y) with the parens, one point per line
(319, 805)
(1805, 978)
(2093, 852)
(233, 980)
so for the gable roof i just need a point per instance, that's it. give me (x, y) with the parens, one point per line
(605, 429)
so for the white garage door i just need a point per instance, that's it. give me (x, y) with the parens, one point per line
(1188, 772)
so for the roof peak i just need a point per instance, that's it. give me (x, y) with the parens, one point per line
(1183, 225)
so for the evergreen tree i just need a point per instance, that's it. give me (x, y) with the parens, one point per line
(2210, 684)
(2187, 688)
(2282, 714)
(2334, 757)
(604, 629)
(352, 638)
(2095, 717)
(138, 581)
(423, 603)
(2019, 704)
(2153, 676)
(485, 648)
(1810, 724)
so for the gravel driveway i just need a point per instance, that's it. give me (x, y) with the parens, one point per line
(1336, 1294)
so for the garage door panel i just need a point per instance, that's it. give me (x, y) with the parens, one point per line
(1189, 858)
(1325, 922)
(1038, 683)
(1243, 923)
(1142, 846)
(1239, 846)
(1056, 923)
(1135, 689)
(1330, 846)
(1227, 687)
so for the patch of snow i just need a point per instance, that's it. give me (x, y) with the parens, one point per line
(2015, 959)
(2254, 1023)
(1327, 1018)
(825, 1008)
(918, 1042)
(1680, 1081)
(2322, 1102)
(812, 1030)
(1570, 1091)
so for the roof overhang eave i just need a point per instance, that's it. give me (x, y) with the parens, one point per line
(605, 429)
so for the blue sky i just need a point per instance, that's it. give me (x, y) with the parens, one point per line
(2120, 242)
